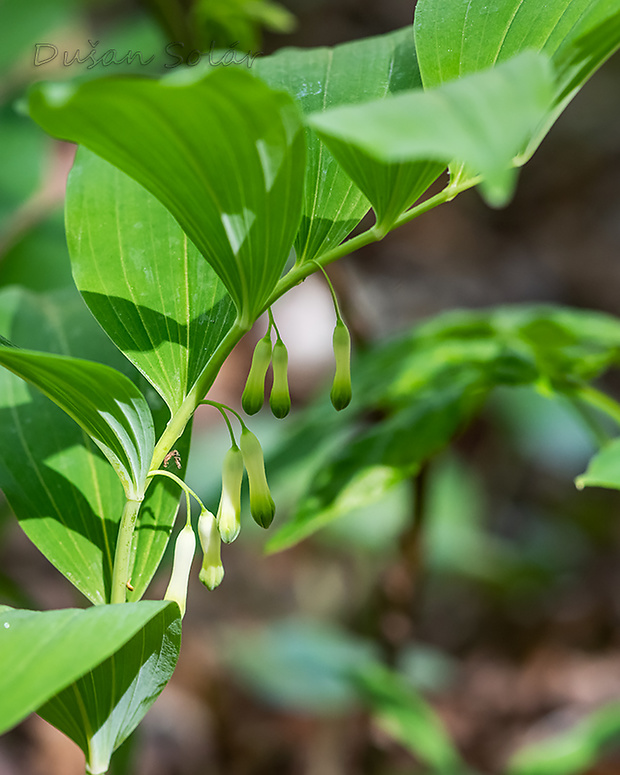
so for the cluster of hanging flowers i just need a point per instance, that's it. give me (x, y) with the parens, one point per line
(265, 353)
(247, 455)
(225, 526)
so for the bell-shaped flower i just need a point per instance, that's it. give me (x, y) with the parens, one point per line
(262, 507)
(254, 392)
(184, 550)
(212, 571)
(341, 387)
(280, 399)
(229, 510)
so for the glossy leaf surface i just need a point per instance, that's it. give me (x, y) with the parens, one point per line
(65, 494)
(456, 38)
(482, 122)
(48, 650)
(102, 401)
(230, 161)
(324, 78)
(103, 707)
(144, 281)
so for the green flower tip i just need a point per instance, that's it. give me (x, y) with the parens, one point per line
(254, 392)
(280, 399)
(229, 510)
(262, 507)
(212, 571)
(211, 575)
(341, 392)
(184, 550)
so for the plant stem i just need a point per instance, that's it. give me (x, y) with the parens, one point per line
(299, 272)
(332, 291)
(183, 415)
(186, 488)
(600, 401)
(597, 432)
(174, 429)
(220, 408)
(122, 556)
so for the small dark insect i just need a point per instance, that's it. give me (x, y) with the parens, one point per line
(177, 458)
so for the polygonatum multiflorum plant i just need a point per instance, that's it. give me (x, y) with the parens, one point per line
(195, 202)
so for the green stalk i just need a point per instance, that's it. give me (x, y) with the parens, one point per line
(600, 401)
(183, 415)
(174, 429)
(301, 271)
(122, 557)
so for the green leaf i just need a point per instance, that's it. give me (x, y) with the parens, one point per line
(144, 281)
(406, 717)
(49, 650)
(101, 709)
(424, 385)
(102, 401)
(603, 469)
(230, 160)
(454, 38)
(481, 121)
(66, 496)
(575, 751)
(364, 469)
(324, 78)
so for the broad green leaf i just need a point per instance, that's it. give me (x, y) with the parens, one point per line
(425, 385)
(481, 121)
(324, 78)
(603, 469)
(572, 752)
(102, 401)
(103, 707)
(230, 161)
(456, 38)
(65, 494)
(144, 281)
(406, 717)
(49, 650)
(362, 471)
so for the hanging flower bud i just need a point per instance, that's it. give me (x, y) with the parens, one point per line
(229, 510)
(183, 555)
(280, 400)
(254, 392)
(212, 571)
(262, 507)
(341, 388)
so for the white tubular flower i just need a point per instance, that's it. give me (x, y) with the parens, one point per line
(212, 571)
(183, 555)
(229, 510)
